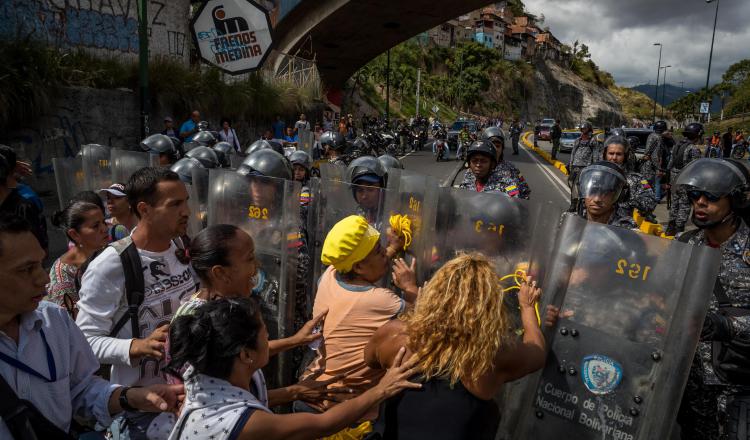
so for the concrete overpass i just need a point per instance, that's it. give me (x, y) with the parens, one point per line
(344, 35)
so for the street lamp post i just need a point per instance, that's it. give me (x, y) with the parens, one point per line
(664, 91)
(658, 72)
(710, 58)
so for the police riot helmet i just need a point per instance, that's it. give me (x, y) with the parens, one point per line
(268, 163)
(484, 147)
(223, 150)
(617, 131)
(158, 143)
(302, 159)
(206, 156)
(264, 144)
(205, 138)
(586, 125)
(660, 127)
(718, 177)
(602, 178)
(333, 139)
(184, 168)
(367, 169)
(389, 162)
(175, 141)
(493, 132)
(361, 144)
(694, 130)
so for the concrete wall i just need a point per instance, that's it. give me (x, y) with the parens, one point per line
(104, 27)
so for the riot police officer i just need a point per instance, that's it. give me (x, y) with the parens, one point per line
(496, 135)
(389, 162)
(301, 169)
(334, 145)
(652, 167)
(682, 154)
(163, 146)
(585, 152)
(640, 195)
(369, 176)
(486, 174)
(603, 187)
(716, 402)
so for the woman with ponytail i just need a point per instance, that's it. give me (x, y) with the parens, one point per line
(225, 344)
(84, 226)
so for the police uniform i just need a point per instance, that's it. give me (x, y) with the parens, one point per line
(617, 219)
(641, 196)
(680, 209)
(505, 178)
(654, 150)
(584, 154)
(706, 396)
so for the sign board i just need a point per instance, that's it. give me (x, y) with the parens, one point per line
(233, 35)
(704, 108)
(435, 109)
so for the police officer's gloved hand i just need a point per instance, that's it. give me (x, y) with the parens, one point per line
(716, 327)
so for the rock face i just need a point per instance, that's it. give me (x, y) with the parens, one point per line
(559, 93)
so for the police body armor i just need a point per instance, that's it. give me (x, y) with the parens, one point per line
(268, 209)
(68, 178)
(125, 163)
(632, 307)
(97, 170)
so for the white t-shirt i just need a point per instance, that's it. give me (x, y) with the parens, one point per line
(302, 125)
(103, 302)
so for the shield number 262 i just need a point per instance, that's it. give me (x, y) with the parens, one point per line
(632, 270)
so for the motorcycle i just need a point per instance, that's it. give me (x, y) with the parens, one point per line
(440, 150)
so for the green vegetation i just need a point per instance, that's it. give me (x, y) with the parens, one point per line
(635, 104)
(32, 74)
(470, 77)
(733, 90)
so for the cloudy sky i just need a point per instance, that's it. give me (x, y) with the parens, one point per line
(620, 35)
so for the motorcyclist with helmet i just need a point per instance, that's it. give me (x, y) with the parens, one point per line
(716, 401)
(488, 174)
(683, 153)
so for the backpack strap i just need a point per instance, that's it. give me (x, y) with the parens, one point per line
(23, 419)
(134, 284)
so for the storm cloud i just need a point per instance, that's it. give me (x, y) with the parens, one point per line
(620, 35)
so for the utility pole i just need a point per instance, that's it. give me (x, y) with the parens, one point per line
(658, 72)
(388, 91)
(143, 66)
(664, 91)
(419, 77)
(711, 53)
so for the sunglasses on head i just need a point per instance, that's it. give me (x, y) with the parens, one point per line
(695, 194)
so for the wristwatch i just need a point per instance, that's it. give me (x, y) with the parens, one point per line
(124, 404)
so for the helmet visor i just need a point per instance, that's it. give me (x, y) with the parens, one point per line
(600, 181)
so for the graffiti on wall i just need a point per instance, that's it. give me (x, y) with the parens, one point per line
(62, 139)
(104, 24)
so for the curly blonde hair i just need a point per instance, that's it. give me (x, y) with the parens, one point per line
(459, 322)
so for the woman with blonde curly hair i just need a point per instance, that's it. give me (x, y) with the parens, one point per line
(460, 330)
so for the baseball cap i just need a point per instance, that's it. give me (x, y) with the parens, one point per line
(116, 189)
(167, 119)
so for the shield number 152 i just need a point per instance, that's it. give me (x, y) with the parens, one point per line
(632, 270)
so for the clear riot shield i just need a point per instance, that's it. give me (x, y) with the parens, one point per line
(335, 200)
(306, 139)
(97, 170)
(632, 311)
(416, 197)
(268, 210)
(329, 171)
(198, 216)
(68, 177)
(125, 163)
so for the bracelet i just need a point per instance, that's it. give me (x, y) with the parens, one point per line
(123, 400)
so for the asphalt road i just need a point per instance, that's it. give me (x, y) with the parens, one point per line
(546, 182)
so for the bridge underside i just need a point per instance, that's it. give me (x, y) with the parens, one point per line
(346, 35)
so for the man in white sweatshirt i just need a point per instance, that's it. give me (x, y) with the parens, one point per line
(159, 199)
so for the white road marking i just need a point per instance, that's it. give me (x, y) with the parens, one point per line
(556, 180)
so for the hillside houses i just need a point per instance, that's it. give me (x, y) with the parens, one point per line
(516, 38)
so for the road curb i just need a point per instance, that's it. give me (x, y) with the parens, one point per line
(449, 181)
(543, 154)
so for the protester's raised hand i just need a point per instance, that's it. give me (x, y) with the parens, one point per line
(305, 335)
